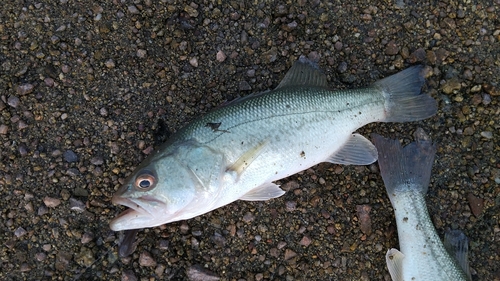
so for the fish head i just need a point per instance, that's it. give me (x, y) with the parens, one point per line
(157, 192)
(176, 183)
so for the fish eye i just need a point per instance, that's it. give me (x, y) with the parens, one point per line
(146, 180)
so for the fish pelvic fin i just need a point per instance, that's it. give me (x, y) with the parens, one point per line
(264, 192)
(404, 100)
(394, 260)
(457, 245)
(406, 168)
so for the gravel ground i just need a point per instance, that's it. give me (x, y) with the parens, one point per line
(88, 89)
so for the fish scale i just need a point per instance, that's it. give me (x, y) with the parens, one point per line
(406, 173)
(418, 240)
(237, 151)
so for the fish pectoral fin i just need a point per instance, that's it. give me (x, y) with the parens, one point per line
(358, 150)
(304, 72)
(457, 245)
(246, 159)
(264, 192)
(394, 260)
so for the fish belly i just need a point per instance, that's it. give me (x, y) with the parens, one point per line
(425, 257)
(294, 134)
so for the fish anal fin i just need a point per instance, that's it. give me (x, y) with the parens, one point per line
(264, 192)
(394, 260)
(457, 245)
(358, 150)
(246, 158)
(304, 72)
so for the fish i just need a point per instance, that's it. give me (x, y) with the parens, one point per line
(422, 256)
(239, 150)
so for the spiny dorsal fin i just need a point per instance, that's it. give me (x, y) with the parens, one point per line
(304, 72)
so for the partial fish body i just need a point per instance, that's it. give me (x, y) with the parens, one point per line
(422, 257)
(237, 151)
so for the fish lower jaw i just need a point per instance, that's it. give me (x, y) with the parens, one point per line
(134, 219)
(139, 214)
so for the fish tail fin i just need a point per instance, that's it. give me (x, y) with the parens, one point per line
(407, 168)
(404, 100)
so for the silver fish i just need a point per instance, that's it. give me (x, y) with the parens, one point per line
(237, 151)
(406, 173)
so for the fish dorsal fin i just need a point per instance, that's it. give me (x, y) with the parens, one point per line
(247, 158)
(358, 150)
(394, 260)
(264, 192)
(304, 72)
(457, 245)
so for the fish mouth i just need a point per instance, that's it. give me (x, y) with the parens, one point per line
(142, 212)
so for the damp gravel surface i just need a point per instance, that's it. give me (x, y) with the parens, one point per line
(89, 88)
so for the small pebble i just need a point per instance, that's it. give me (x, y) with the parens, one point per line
(70, 156)
(129, 275)
(97, 160)
(73, 172)
(476, 204)
(29, 207)
(289, 254)
(62, 260)
(76, 205)
(487, 134)
(451, 85)
(49, 81)
(20, 232)
(42, 210)
(364, 218)
(191, 11)
(141, 53)
(40, 256)
(218, 239)
(3, 129)
(87, 237)
(13, 101)
(51, 202)
(23, 150)
(133, 9)
(109, 63)
(145, 259)
(290, 205)
(248, 217)
(305, 241)
(22, 125)
(25, 89)
(163, 244)
(198, 273)
(193, 62)
(65, 68)
(244, 86)
(25, 267)
(160, 270)
(221, 56)
(391, 48)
